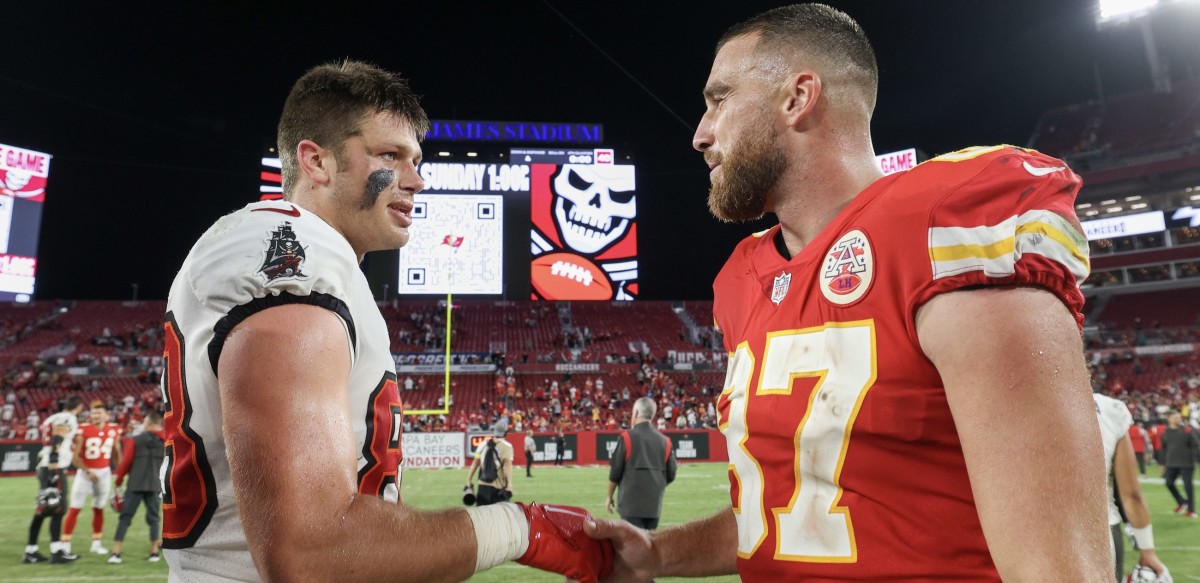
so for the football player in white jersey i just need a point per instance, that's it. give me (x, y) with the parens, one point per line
(58, 435)
(283, 419)
(1115, 421)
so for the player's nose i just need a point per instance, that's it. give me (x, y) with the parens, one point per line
(703, 139)
(409, 180)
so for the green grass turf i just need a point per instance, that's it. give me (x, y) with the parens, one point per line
(699, 490)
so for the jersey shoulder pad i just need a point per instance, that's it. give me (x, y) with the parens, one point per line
(1003, 215)
(271, 248)
(62, 418)
(979, 184)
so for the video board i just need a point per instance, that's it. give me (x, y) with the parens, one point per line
(584, 225)
(23, 176)
(577, 207)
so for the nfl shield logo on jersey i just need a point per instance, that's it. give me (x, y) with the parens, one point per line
(848, 270)
(780, 289)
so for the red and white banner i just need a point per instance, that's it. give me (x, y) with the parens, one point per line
(23, 173)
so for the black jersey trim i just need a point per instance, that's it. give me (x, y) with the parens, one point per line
(239, 313)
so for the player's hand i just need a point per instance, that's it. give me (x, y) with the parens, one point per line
(1149, 558)
(635, 559)
(93, 476)
(557, 543)
(609, 504)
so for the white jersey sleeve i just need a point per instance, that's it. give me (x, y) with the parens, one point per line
(265, 255)
(1115, 421)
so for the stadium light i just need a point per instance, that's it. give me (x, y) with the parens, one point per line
(1123, 9)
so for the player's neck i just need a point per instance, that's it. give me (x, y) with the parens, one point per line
(808, 201)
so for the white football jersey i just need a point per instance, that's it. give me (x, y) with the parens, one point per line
(66, 450)
(264, 255)
(1114, 426)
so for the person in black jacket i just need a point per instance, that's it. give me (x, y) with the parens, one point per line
(642, 465)
(141, 461)
(1181, 447)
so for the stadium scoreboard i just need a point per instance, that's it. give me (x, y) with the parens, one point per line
(529, 221)
(23, 176)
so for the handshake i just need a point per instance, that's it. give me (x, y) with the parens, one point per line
(558, 543)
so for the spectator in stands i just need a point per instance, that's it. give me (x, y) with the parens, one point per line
(1181, 454)
(31, 426)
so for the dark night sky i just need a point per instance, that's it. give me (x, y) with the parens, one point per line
(157, 116)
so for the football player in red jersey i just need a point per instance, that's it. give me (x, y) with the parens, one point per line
(906, 380)
(272, 336)
(95, 445)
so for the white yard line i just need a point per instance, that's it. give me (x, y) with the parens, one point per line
(89, 578)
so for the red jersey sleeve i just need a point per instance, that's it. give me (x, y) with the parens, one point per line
(1007, 217)
(127, 449)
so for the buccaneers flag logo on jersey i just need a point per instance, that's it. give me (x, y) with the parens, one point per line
(285, 255)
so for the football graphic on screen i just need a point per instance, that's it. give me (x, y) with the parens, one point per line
(567, 276)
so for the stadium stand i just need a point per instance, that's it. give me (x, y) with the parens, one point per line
(1123, 130)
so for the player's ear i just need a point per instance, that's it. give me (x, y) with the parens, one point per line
(802, 91)
(314, 162)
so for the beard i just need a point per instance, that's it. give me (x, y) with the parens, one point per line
(747, 176)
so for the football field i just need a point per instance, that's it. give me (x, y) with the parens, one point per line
(699, 490)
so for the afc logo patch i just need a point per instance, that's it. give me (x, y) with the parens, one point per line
(285, 255)
(848, 270)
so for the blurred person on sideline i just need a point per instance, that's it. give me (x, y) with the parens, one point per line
(141, 464)
(641, 466)
(1115, 423)
(1181, 453)
(493, 462)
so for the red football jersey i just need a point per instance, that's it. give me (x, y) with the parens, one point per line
(1137, 438)
(844, 460)
(97, 444)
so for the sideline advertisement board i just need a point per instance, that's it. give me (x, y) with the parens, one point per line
(18, 457)
(433, 450)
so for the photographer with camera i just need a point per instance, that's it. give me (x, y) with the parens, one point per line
(493, 460)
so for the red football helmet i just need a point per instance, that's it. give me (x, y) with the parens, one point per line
(118, 502)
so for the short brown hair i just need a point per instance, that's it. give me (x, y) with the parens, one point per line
(814, 29)
(153, 417)
(327, 105)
